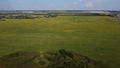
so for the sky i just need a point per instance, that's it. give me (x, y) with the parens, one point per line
(59, 4)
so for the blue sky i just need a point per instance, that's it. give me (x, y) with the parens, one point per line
(59, 4)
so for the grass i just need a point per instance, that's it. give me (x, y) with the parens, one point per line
(92, 36)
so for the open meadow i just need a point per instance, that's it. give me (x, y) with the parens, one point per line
(93, 36)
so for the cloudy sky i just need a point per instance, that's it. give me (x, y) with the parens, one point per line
(59, 4)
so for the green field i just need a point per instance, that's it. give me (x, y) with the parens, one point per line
(92, 36)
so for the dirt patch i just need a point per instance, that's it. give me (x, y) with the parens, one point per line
(114, 20)
(69, 31)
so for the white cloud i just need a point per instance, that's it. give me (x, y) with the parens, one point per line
(89, 4)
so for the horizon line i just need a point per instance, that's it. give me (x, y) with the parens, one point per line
(60, 10)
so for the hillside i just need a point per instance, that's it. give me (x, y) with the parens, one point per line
(59, 59)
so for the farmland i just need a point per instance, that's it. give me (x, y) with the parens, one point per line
(92, 36)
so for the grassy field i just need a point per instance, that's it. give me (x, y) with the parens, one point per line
(92, 36)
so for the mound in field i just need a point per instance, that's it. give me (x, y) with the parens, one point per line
(59, 59)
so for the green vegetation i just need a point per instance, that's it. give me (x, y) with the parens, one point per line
(92, 36)
(43, 60)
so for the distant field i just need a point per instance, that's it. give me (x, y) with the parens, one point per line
(92, 36)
